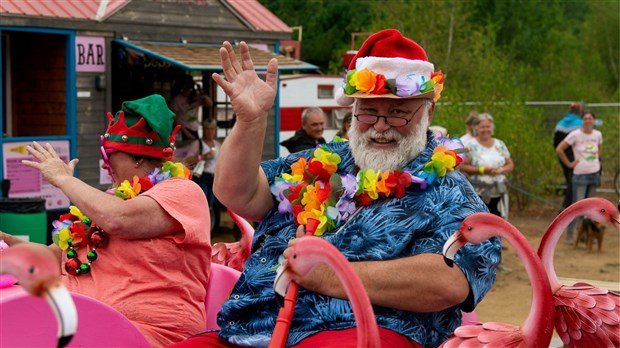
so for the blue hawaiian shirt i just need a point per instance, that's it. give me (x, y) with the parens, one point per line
(420, 222)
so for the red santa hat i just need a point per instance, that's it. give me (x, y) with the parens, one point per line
(389, 65)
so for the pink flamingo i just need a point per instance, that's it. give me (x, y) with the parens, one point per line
(37, 271)
(234, 254)
(586, 316)
(537, 329)
(310, 252)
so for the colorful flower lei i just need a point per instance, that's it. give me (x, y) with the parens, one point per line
(74, 230)
(313, 189)
(406, 85)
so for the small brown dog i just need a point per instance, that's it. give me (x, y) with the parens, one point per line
(589, 230)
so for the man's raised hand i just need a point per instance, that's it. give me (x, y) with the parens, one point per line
(251, 97)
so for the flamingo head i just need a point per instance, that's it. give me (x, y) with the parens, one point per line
(603, 211)
(34, 265)
(38, 272)
(474, 229)
(304, 255)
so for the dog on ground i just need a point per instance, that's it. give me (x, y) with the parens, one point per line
(588, 231)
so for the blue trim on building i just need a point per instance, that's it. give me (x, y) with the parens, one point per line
(70, 90)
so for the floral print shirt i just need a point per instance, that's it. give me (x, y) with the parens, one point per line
(420, 222)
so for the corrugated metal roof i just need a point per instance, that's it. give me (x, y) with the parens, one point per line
(207, 57)
(259, 16)
(77, 9)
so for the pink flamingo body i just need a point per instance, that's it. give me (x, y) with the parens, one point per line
(310, 252)
(586, 316)
(235, 254)
(37, 271)
(537, 329)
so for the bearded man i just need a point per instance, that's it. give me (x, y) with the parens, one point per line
(393, 240)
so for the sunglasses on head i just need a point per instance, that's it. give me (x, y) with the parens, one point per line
(106, 160)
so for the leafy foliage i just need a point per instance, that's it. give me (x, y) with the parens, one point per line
(495, 55)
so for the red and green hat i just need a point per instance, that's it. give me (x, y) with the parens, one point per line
(142, 127)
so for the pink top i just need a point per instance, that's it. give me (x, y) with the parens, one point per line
(159, 283)
(586, 149)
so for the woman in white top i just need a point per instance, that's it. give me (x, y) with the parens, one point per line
(487, 163)
(586, 144)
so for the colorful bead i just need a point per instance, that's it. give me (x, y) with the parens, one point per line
(84, 268)
(72, 266)
(99, 239)
(71, 254)
(91, 255)
(86, 220)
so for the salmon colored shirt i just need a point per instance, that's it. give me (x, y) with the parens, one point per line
(158, 283)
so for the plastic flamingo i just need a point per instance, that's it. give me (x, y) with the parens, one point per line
(234, 254)
(586, 316)
(537, 329)
(282, 284)
(310, 252)
(37, 271)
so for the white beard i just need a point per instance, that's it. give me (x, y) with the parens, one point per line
(408, 148)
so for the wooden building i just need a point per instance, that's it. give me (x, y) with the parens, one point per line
(66, 64)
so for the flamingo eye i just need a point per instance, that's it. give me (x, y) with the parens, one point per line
(603, 210)
(31, 269)
(469, 228)
(294, 256)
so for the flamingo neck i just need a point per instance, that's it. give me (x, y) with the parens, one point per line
(537, 323)
(325, 253)
(550, 240)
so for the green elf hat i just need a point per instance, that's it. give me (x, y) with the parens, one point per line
(142, 127)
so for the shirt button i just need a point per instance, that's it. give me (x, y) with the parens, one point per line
(236, 297)
(231, 323)
(263, 260)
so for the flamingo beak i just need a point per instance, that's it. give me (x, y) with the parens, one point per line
(280, 284)
(451, 246)
(616, 218)
(59, 299)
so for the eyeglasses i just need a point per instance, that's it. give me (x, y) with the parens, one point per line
(106, 161)
(393, 121)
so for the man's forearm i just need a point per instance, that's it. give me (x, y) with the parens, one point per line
(421, 283)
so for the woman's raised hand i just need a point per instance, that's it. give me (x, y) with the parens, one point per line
(250, 96)
(51, 166)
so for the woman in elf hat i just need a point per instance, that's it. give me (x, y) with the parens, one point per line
(388, 199)
(143, 246)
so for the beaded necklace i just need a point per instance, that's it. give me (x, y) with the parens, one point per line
(74, 230)
(313, 189)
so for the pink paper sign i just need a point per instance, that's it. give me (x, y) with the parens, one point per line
(89, 54)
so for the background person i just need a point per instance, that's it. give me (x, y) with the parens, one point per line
(488, 162)
(153, 258)
(205, 150)
(470, 134)
(586, 143)
(311, 132)
(394, 243)
(346, 124)
(185, 103)
(570, 122)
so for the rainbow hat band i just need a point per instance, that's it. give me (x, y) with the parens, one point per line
(142, 127)
(389, 65)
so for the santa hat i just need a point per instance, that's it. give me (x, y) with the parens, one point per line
(389, 65)
(142, 127)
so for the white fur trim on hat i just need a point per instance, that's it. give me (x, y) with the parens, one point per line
(394, 67)
(343, 99)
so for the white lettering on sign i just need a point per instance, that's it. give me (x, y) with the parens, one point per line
(89, 54)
